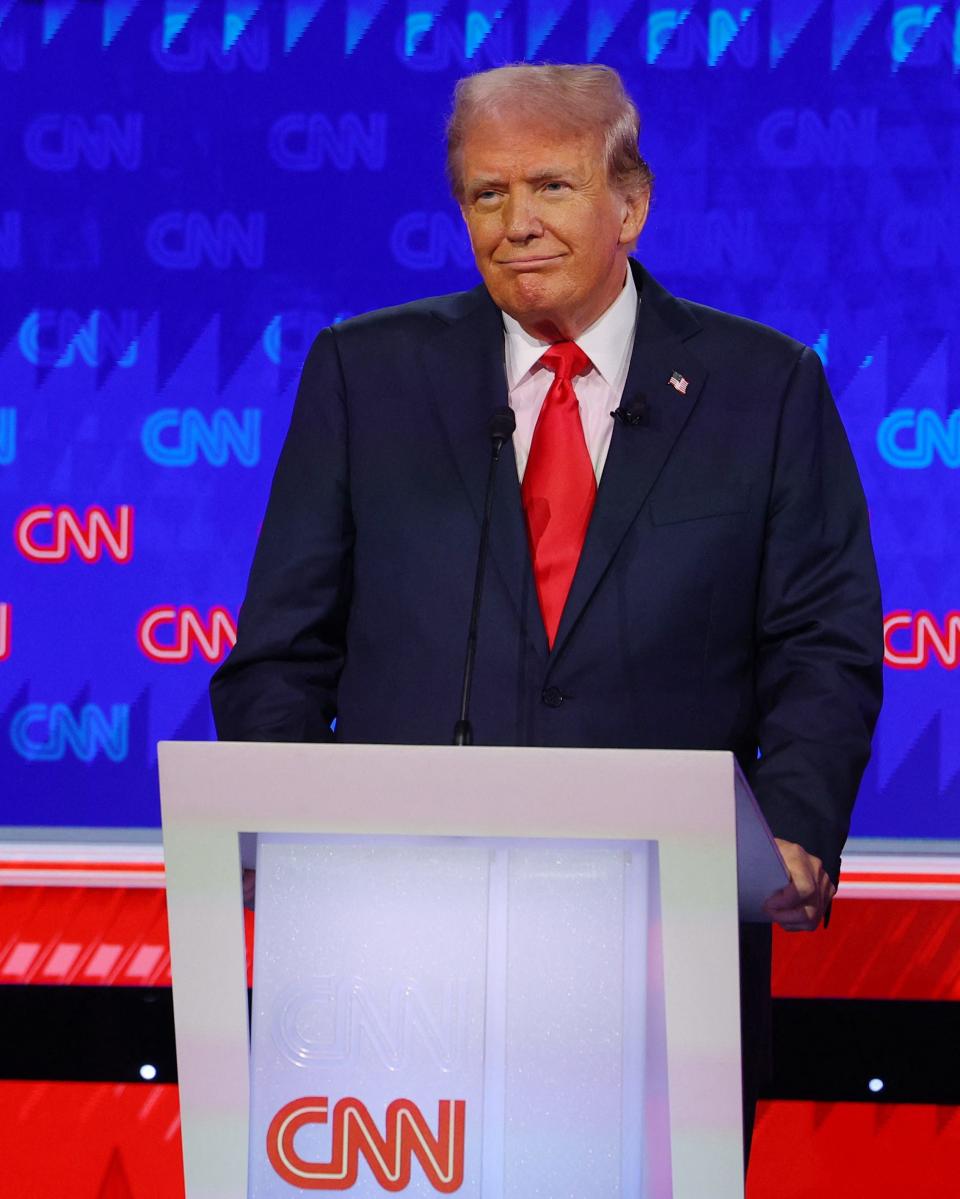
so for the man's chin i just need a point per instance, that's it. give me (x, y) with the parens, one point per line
(527, 300)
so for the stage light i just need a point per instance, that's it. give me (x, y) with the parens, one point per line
(148, 1073)
(875, 1085)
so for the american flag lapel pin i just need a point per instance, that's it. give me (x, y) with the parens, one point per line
(679, 382)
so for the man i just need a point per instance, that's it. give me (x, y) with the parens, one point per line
(696, 574)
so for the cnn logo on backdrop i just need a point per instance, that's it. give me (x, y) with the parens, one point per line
(170, 634)
(52, 732)
(45, 534)
(913, 640)
(388, 1155)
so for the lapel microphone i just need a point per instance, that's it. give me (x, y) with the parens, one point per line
(501, 427)
(632, 414)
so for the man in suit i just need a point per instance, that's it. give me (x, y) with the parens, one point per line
(695, 574)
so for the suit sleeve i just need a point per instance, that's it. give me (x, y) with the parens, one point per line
(280, 681)
(819, 627)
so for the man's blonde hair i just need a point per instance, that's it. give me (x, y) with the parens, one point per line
(574, 99)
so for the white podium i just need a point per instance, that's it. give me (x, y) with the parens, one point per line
(499, 973)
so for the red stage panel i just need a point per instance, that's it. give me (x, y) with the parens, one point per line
(86, 935)
(855, 1151)
(68, 1140)
(874, 949)
(92, 936)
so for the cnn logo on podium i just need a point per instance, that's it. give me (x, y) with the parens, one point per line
(389, 1155)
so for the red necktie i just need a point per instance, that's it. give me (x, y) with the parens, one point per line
(559, 485)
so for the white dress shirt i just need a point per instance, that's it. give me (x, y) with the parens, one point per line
(608, 343)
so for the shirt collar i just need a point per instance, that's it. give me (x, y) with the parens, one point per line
(605, 342)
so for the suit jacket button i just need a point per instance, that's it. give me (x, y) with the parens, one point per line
(552, 697)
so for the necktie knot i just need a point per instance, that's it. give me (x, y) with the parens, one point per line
(565, 359)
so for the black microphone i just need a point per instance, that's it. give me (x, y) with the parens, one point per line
(632, 414)
(502, 425)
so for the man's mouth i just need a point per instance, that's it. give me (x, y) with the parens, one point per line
(529, 263)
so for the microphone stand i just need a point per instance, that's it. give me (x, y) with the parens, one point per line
(502, 425)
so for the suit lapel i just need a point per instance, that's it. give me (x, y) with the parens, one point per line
(463, 365)
(638, 454)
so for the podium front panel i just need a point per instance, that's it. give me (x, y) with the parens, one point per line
(450, 1015)
(677, 1084)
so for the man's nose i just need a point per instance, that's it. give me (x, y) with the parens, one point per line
(521, 220)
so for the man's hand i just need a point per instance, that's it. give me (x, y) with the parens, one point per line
(806, 899)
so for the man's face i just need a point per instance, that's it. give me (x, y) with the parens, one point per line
(549, 234)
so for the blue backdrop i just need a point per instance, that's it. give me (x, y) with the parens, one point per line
(190, 191)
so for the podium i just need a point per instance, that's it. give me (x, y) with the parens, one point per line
(500, 973)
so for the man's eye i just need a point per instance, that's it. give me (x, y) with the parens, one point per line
(556, 185)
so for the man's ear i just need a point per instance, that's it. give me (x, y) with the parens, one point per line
(635, 217)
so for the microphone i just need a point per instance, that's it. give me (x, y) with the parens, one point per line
(502, 424)
(632, 414)
(501, 427)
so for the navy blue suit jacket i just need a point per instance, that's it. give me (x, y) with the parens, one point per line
(726, 597)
